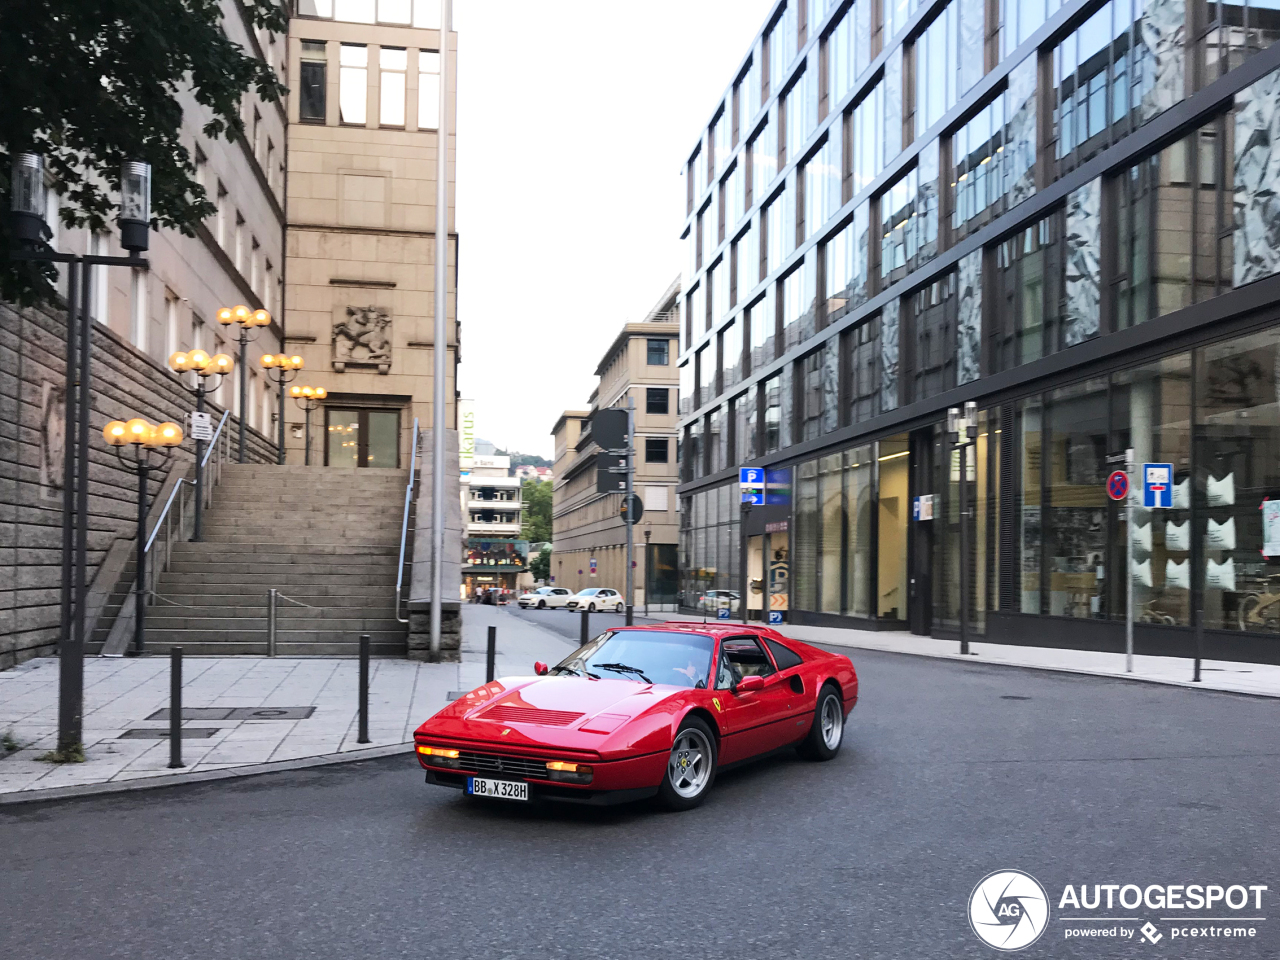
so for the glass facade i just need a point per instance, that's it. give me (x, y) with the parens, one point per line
(1129, 304)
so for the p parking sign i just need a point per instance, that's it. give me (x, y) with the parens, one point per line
(722, 613)
(775, 616)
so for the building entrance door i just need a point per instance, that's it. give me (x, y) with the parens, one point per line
(922, 536)
(756, 592)
(361, 438)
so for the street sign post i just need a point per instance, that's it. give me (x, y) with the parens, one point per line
(1118, 485)
(201, 426)
(1157, 485)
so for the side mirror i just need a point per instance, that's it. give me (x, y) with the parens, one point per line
(749, 685)
(540, 668)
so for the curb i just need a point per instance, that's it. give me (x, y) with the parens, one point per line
(977, 659)
(200, 776)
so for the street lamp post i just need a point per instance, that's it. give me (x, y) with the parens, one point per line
(145, 438)
(246, 320)
(648, 580)
(204, 366)
(308, 399)
(281, 369)
(962, 432)
(31, 232)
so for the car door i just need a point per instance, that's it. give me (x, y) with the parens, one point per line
(752, 722)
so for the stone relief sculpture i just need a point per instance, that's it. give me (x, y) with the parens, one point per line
(1080, 316)
(53, 438)
(1161, 28)
(889, 355)
(363, 339)
(1256, 244)
(969, 323)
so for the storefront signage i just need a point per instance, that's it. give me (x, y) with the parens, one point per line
(922, 507)
(1157, 485)
(777, 526)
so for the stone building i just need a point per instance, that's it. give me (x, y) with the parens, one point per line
(362, 141)
(586, 526)
(142, 317)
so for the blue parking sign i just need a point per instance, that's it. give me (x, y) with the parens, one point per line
(775, 616)
(1157, 484)
(722, 613)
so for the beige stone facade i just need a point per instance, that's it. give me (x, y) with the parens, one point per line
(360, 263)
(586, 524)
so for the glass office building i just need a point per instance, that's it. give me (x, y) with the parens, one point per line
(1067, 213)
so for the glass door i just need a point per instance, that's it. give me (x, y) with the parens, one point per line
(362, 438)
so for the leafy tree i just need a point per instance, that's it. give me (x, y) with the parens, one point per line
(528, 460)
(92, 83)
(540, 566)
(537, 510)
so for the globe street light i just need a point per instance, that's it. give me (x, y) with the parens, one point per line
(145, 438)
(281, 369)
(204, 366)
(309, 399)
(31, 233)
(246, 320)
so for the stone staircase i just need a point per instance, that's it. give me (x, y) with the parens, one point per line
(325, 537)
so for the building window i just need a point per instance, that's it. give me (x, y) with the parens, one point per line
(866, 148)
(934, 320)
(731, 354)
(909, 210)
(848, 50)
(717, 441)
(799, 304)
(392, 63)
(353, 83)
(703, 376)
(846, 265)
(686, 388)
(428, 90)
(764, 161)
(655, 400)
(1028, 289)
(953, 65)
(763, 323)
(821, 186)
(743, 414)
(658, 353)
(395, 11)
(862, 359)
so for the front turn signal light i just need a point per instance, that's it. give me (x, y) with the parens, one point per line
(447, 752)
(567, 772)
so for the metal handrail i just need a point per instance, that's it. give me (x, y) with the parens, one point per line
(177, 488)
(404, 521)
(213, 441)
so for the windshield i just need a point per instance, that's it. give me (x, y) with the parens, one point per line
(543, 590)
(587, 593)
(646, 656)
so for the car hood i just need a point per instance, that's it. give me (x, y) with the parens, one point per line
(567, 713)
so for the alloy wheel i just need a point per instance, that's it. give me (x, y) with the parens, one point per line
(689, 767)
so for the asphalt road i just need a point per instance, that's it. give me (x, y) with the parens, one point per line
(568, 623)
(949, 772)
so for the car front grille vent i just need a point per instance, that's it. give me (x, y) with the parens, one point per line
(488, 763)
(507, 713)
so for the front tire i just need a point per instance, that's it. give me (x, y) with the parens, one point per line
(691, 766)
(827, 733)
(618, 608)
(591, 608)
(542, 604)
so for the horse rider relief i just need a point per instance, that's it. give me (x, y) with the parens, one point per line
(363, 339)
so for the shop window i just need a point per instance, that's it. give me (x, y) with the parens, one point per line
(805, 537)
(893, 508)
(1237, 482)
(1030, 415)
(859, 502)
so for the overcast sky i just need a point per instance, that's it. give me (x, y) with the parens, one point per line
(574, 119)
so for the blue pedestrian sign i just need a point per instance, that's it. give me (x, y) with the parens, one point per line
(1157, 484)
(751, 480)
(775, 616)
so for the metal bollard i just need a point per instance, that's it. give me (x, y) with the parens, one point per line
(271, 621)
(175, 708)
(585, 632)
(364, 689)
(489, 655)
(630, 615)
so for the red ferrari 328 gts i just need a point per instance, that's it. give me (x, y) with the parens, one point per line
(642, 711)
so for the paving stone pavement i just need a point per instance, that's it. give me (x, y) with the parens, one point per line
(122, 693)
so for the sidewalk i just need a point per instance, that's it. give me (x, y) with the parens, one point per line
(1259, 679)
(294, 711)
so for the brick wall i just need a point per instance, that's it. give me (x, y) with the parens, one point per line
(126, 383)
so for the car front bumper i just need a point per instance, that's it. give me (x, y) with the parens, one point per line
(553, 792)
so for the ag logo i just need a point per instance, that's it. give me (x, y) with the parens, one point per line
(1008, 910)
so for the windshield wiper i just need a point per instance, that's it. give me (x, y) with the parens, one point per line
(623, 668)
(576, 672)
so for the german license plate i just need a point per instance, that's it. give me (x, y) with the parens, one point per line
(498, 789)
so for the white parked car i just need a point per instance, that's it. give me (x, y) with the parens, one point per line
(714, 600)
(544, 598)
(596, 598)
